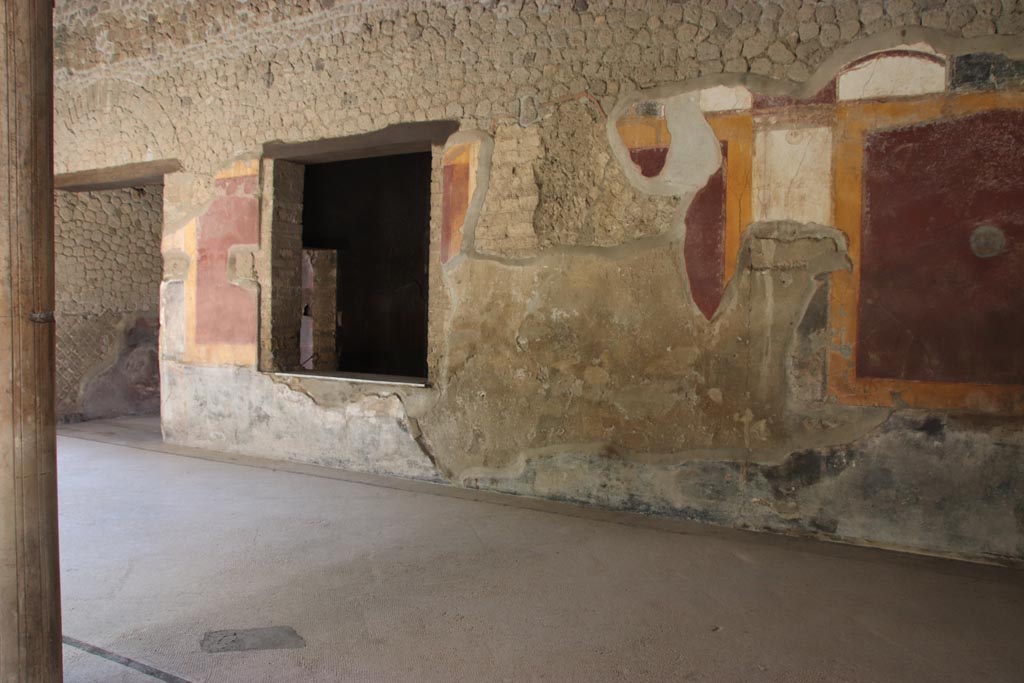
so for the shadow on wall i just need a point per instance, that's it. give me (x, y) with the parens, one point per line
(131, 384)
(126, 381)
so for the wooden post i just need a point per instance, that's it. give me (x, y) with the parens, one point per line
(30, 627)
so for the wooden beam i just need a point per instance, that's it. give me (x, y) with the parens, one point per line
(117, 177)
(399, 138)
(30, 626)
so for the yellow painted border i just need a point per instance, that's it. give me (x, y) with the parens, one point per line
(853, 121)
(239, 169)
(638, 131)
(738, 131)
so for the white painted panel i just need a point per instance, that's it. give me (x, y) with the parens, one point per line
(725, 98)
(892, 76)
(792, 175)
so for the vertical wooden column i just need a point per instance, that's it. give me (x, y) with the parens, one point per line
(30, 627)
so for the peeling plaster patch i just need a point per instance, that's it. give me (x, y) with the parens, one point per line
(693, 154)
(176, 264)
(243, 411)
(793, 175)
(893, 74)
(644, 132)
(898, 486)
(172, 320)
(241, 265)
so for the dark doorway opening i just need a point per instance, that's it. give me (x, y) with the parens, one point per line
(375, 213)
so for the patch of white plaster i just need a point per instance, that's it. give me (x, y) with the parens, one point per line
(244, 411)
(693, 155)
(172, 320)
(793, 175)
(892, 76)
(725, 98)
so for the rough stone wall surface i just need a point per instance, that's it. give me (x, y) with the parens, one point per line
(506, 229)
(281, 310)
(589, 203)
(108, 270)
(202, 81)
(319, 345)
(566, 357)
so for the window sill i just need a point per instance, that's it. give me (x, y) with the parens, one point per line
(357, 378)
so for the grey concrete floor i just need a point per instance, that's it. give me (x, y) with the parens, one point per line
(394, 581)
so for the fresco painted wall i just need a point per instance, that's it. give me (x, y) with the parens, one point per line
(210, 300)
(928, 183)
(945, 191)
(661, 275)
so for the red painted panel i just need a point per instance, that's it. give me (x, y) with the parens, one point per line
(644, 132)
(650, 160)
(454, 206)
(934, 306)
(225, 312)
(704, 247)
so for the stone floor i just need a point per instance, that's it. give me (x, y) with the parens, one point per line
(402, 581)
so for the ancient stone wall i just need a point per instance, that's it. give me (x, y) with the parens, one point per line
(646, 245)
(108, 272)
(281, 272)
